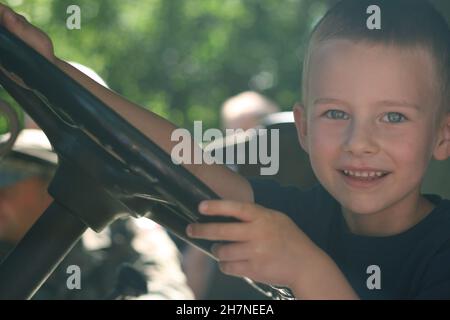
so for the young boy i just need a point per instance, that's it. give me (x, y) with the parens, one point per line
(376, 108)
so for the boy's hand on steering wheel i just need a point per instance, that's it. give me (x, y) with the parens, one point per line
(266, 246)
(31, 35)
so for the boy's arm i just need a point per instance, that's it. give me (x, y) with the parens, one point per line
(219, 178)
(322, 279)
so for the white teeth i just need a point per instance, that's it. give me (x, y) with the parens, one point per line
(364, 174)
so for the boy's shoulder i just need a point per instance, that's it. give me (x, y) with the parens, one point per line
(432, 247)
(443, 204)
(438, 221)
(440, 215)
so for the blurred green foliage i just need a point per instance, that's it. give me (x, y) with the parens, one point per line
(183, 58)
(5, 122)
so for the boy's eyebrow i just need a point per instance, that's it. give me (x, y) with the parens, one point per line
(397, 103)
(328, 101)
(383, 103)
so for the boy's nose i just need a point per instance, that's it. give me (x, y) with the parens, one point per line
(360, 139)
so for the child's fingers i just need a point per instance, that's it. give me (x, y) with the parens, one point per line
(14, 22)
(17, 25)
(3, 8)
(218, 231)
(241, 210)
(232, 252)
(11, 20)
(7, 16)
(21, 28)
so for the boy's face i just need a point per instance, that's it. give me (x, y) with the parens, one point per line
(370, 126)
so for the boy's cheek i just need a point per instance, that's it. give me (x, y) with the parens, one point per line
(408, 149)
(325, 141)
(322, 130)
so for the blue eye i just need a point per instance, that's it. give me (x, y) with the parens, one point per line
(394, 117)
(336, 115)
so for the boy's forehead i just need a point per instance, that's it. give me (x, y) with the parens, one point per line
(344, 68)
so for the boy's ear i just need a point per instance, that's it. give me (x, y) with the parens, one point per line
(442, 147)
(300, 123)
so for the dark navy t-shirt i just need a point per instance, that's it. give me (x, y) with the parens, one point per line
(414, 264)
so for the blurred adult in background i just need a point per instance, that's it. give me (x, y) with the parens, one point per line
(246, 110)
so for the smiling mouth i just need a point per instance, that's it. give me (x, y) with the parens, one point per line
(364, 175)
(363, 178)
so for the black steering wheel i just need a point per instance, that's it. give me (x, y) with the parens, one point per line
(107, 169)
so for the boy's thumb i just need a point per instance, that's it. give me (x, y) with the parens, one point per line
(16, 24)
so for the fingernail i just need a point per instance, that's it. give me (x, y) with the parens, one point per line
(203, 206)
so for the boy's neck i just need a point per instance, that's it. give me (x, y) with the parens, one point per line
(393, 220)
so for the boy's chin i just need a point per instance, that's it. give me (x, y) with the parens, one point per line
(361, 207)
